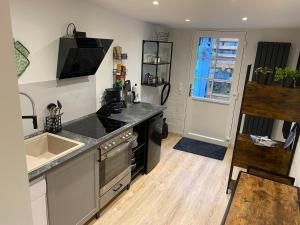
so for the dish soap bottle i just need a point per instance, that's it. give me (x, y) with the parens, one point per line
(135, 94)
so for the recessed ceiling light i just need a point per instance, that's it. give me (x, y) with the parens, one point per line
(187, 20)
(155, 2)
(245, 18)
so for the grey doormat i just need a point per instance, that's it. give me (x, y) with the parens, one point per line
(201, 148)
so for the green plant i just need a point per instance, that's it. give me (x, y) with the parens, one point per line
(263, 70)
(297, 75)
(283, 73)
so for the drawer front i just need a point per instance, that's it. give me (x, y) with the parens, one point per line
(114, 191)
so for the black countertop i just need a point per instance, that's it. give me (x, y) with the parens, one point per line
(132, 115)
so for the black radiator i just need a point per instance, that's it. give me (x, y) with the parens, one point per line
(269, 54)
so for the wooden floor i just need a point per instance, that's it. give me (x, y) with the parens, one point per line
(184, 189)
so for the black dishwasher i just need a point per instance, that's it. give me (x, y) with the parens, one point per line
(154, 142)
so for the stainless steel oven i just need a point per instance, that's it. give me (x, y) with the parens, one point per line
(115, 166)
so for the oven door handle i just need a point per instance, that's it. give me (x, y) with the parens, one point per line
(117, 150)
(118, 188)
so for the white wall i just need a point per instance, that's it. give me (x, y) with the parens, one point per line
(14, 194)
(181, 64)
(39, 25)
(181, 67)
(77, 96)
(176, 103)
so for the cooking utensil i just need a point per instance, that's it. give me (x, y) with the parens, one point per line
(56, 111)
(59, 105)
(51, 108)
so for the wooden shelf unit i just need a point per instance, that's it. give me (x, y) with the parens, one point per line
(268, 101)
(274, 159)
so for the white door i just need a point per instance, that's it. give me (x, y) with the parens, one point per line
(214, 78)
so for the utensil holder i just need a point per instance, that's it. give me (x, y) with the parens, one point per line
(53, 124)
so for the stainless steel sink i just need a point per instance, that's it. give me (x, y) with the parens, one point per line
(47, 147)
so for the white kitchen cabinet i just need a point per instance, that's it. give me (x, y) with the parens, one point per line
(38, 201)
(73, 190)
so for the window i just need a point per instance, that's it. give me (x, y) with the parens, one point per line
(214, 68)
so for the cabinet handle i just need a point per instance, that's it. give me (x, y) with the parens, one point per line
(118, 188)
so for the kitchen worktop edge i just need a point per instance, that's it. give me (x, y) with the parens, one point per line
(132, 115)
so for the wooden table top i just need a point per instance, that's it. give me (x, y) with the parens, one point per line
(259, 201)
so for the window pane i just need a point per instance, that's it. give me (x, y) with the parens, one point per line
(206, 48)
(201, 88)
(224, 69)
(204, 68)
(221, 88)
(214, 67)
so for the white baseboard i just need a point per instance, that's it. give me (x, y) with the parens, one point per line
(207, 139)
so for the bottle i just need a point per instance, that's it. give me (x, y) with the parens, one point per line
(134, 93)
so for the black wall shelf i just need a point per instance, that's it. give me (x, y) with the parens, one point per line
(156, 63)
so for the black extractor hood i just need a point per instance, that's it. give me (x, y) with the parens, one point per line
(80, 56)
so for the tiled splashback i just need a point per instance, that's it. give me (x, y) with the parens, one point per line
(77, 95)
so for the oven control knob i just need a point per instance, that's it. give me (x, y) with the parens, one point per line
(105, 147)
(123, 137)
(113, 143)
(129, 133)
(126, 135)
(109, 145)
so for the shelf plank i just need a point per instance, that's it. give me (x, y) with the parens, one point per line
(273, 159)
(138, 147)
(272, 101)
(136, 172)
(157, 64)
(154, 85)
(261, 201)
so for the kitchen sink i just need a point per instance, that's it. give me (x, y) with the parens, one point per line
(47, 147)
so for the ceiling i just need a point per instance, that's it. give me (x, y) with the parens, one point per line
(211, 13)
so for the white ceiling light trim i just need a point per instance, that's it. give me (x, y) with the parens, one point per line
(155, 2)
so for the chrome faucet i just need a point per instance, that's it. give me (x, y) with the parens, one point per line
(33, 117)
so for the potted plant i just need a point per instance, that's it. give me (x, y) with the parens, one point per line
(298, 78)
(287, 77)
(263, 74)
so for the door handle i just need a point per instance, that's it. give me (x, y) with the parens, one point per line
(190, 91)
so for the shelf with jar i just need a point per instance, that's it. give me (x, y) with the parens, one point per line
(156, 63)
(119, 69)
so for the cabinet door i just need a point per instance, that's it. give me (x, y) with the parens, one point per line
(38, 201)
(73, 191)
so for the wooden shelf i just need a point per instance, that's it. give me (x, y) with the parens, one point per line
(270, 101)
(273, 159)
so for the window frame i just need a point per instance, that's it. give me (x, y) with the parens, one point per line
(211, 78)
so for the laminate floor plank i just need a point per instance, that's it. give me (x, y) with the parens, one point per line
(184, 189)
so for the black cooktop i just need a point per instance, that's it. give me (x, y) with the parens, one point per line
(94, 126)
